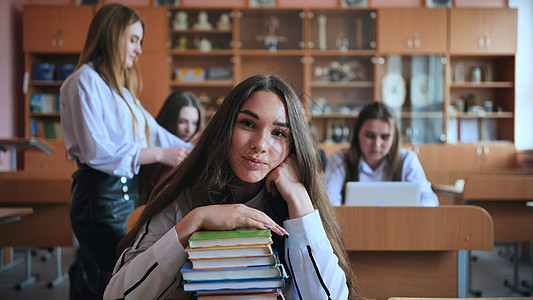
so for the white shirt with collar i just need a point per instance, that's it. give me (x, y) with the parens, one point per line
(98, 125)
(412, 171)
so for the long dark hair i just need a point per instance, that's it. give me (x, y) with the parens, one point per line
(207, 173)
(170, 111)
(380, 111)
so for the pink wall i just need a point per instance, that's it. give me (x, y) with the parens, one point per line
(11, 66)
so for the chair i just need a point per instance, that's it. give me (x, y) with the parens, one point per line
(134, 216)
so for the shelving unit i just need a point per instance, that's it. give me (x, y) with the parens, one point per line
(310, 55)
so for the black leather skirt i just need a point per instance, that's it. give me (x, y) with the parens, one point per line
(101, 205)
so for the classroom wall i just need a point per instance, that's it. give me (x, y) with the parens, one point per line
(11, 57)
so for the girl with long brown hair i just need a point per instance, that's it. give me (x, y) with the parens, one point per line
(255, 166)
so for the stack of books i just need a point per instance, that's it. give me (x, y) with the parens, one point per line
(236, 264)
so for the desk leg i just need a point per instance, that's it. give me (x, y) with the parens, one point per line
(463, 273)
(29, 278)
(60, 276)
(516, 265)
(11, 263)
(524, 282)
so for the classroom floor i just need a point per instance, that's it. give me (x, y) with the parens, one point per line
(488, 274)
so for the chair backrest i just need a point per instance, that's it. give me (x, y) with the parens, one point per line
(134, 216)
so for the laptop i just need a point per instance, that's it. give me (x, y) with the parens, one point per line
(383, 193)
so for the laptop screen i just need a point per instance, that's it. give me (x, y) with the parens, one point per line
(383, 193)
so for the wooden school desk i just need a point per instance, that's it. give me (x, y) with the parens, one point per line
(505, 196)
(22, 143)
(12, 214)
(48, 194)
(413, 251)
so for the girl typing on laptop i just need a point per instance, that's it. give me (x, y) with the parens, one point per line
(375, 154)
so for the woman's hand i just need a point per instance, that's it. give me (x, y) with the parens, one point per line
(173, 156)
(168, 156)
(284, 180)
(224, 217)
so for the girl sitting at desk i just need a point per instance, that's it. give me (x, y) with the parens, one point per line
(375, 154)
(254, 165)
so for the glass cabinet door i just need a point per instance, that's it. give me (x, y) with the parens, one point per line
(413, 85)
(272, 30)
(342, 30)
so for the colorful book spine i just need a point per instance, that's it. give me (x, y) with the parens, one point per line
(222, 278)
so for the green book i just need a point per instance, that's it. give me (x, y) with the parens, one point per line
(229, 238)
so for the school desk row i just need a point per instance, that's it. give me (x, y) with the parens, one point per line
(395, 251)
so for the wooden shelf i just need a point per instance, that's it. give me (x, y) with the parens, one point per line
(216, 52)
(207, 83)
(346, 84)
(44, 115)
(482, 115)
(56, 83)
(495, 84)
(423, 114)
(250, 52)
(196, 31)
(335, 116)
(342, 53)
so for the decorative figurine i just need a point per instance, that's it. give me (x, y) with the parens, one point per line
(342, 42)
(203, 22)
(205, 45)
(322, 32)
(337, 72)
(179, 21)
(182, 43)
(271, 39)
(224, 22)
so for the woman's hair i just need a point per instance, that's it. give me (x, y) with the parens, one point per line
(103, 48)
(207, 173)
(170, 111)
(380, 111)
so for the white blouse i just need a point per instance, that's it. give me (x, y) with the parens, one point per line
(412, 171)
(98, 125)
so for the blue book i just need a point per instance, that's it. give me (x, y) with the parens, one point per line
(261, 272)
(227, 285)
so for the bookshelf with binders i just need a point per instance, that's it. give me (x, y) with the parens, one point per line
(233, 264)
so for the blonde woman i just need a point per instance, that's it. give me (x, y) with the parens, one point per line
(110, 135)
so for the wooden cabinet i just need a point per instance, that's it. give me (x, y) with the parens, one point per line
(412, 30)
(202, 59)
(153, 60)
(340, 69)
(53, 37)
(479, 31)
(309, 48)
(55, 29)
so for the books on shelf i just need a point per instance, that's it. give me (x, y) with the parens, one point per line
(220, 252)
(271, 271)
(223, 238)
(235, 264)
(45, 128)
(44, 103)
